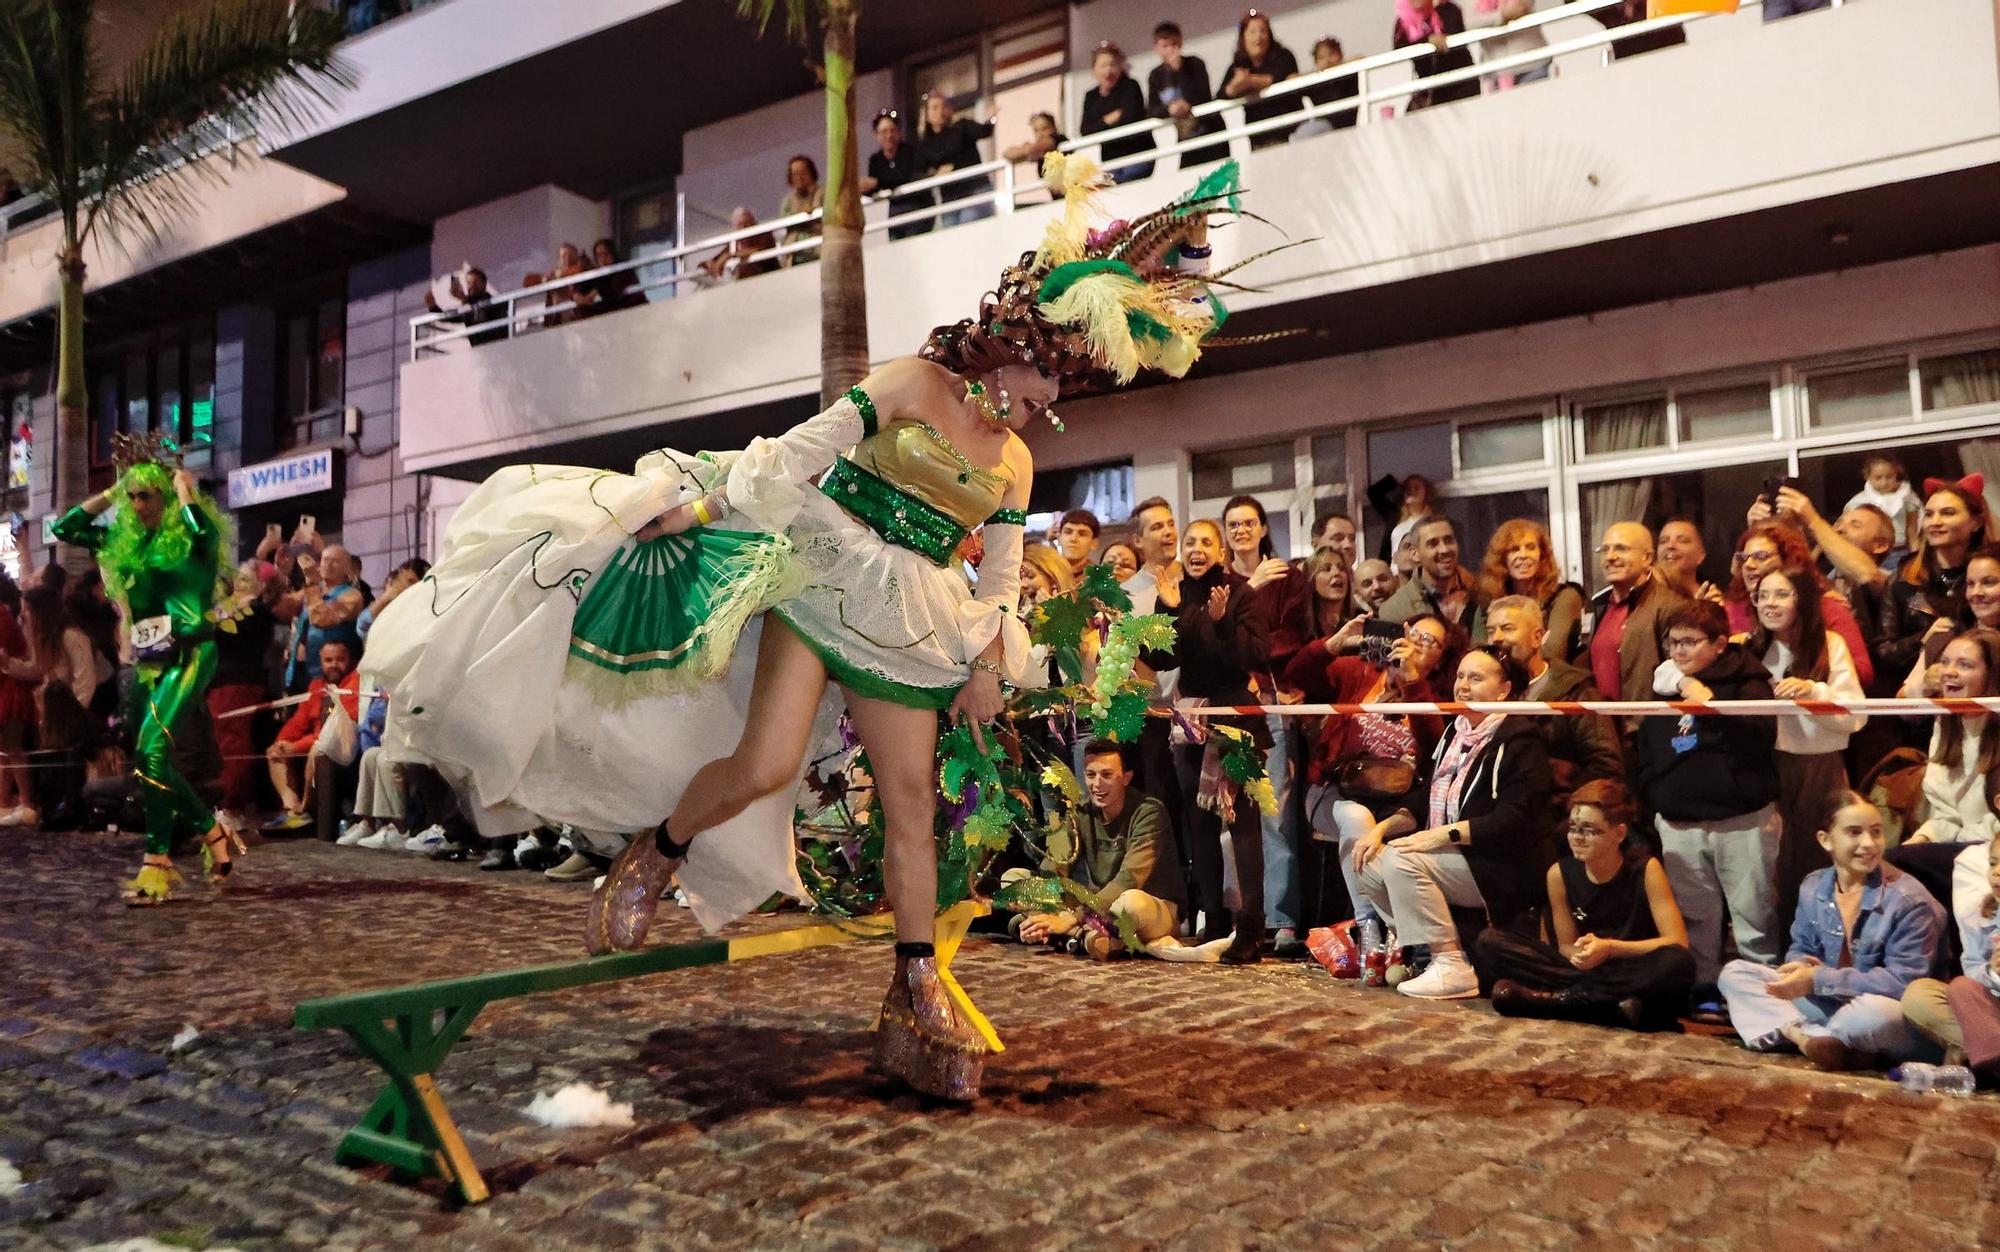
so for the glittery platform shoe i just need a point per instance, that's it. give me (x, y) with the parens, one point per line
(622, 909)
(923, 1041)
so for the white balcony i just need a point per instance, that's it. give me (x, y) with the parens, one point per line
(1819, 143)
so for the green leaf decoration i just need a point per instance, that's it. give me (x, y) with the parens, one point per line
(1128, 933)
(989, 826)
(1126, 720)
(1060, 622)
(1100, 583)
(1040, 893)
(1153, 631)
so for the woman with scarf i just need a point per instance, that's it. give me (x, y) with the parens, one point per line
(1484, 841)
(166, 564)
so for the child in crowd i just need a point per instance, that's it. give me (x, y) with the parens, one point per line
(1964, 1017)
(1885, 484)
(1864, 932)
(1711, 784)
(1621, 951)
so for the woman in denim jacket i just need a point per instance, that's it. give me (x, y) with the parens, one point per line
(1864, 932)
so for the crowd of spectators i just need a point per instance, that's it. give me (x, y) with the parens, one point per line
(1787, 874)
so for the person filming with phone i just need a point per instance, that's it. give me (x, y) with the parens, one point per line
(332, 605)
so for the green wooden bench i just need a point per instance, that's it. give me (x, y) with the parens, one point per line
(409, 1031)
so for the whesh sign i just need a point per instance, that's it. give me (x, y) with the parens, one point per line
(276, 480)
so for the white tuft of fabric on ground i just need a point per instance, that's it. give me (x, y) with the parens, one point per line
(187, 1036)
(579, 1105)
(10, 1178)
(146, 1245)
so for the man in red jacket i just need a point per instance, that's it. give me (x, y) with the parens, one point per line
(291, 753)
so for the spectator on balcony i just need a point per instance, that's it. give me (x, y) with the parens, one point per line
(1624, 14)
(1076, 535)
(1375, 584)
(1629, 639)
(1432, 22)
(1176, 87)
(475, 306)
(892, 164)
(1513, 43)
(609, 292)
(1328, 54)
(1043, 138)
(1680, 558)
(1261, 62)
(948, 142)
(1775, 9)
(734, 262)
(803, 195)
(1336, 531)
(1521, 561)
(1115, 102)
(569, 263)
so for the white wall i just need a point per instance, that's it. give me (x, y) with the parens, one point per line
(1766, 119)
(518, 234)
(742, 161)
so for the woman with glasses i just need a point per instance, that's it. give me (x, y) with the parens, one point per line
(1620, 955)
(1766, 546)
(1806, 661)
(1476, 838)
(1360, 769)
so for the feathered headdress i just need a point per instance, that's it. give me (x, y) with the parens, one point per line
(1091, 308)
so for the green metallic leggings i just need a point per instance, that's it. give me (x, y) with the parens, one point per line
(177, 693)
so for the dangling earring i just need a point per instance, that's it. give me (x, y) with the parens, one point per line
(995, 417)
(1055, 421)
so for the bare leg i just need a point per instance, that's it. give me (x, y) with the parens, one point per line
(902, 750)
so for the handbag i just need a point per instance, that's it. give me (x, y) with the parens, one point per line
(1375, 778)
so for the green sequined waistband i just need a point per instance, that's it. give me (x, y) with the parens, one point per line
(893, 513)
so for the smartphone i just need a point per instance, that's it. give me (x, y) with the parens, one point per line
(1773, 485)
(1378, 638)
(308, 523)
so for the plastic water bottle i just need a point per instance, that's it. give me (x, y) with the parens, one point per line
(1371, 935)
(1950, 1080)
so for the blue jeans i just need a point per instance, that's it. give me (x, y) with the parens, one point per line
(1281, 831)
(1867, 1023)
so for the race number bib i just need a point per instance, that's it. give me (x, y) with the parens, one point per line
(153, 638)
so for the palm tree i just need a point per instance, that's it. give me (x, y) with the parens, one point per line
(123, 153)
(843, 290)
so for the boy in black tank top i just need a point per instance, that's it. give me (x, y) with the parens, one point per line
(1620, 955)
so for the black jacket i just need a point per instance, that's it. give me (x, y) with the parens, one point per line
(1444, 62)
(1730, 770)
(1129, 103)
(1217, 658)
(1587, 742)
(1907, 611)
(1505, 802)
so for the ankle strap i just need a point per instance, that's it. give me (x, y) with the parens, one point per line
(916, 950)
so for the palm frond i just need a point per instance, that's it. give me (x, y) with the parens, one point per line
(796, 17)
(46, 77)
(255, 64)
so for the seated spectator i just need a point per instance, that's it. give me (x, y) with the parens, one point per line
(291, 754)
(1514, 43)
(1222, 639)
(1043, 138)
(734, 261)
(1076, 534)
(803, 194)
(1333, 604)
(1336, 531)
(1625, 647)
(1620, 954)
(1260, 63)
(1114, 102)
(1805, 661)
(1865, 931)
(1964, 753)
(1328, 54)
(1981, 595)
(889, 167)
(607, 293)
(1175, 88)
(242, 679)
(948, 142)
(1581, 749)
(1929, 587)
(1122, 849)
(1431, 22)
(378, 791)
(1773, 545)
(1624, 14)
(401, 579)
(1521, 561)
(1482, 841)
(1679, 560)
(1361, 769)
(1442, 586)
(475, 306)
(1885, 485)
(1122, 557)
(1375, 584)
(1964, 1015)
(1711, 785)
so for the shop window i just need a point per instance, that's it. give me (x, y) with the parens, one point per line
(1736, 412)
(312, 349)
(1860, 396)
(1968, 378)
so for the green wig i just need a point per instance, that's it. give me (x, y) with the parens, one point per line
(130, 547)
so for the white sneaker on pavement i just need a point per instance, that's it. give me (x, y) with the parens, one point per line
(377, 841)
(430, 840)
(354, 832)
(1450, 977)
(394, 840)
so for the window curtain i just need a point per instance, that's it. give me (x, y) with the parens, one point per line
(1625, 427)
(1106, 491)
(1982, 456)
(1972, 378)
(1622, 501)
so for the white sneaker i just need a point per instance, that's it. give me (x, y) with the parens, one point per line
(376, 841)
(394, 840)
(426, 843)
(1450, 977)
(352, 833)
(12, 817)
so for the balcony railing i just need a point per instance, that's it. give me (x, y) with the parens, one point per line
(204, 139)
(515, 312)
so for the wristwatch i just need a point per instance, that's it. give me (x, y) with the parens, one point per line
(1455, 833)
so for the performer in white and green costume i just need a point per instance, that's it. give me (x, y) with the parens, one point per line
(591, 644)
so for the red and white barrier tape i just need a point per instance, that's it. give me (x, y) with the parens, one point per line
(286, 703)
(1897, 706)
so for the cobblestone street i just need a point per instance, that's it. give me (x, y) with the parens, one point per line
(1138, 1106)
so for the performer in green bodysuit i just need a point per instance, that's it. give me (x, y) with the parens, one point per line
(165, 564)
